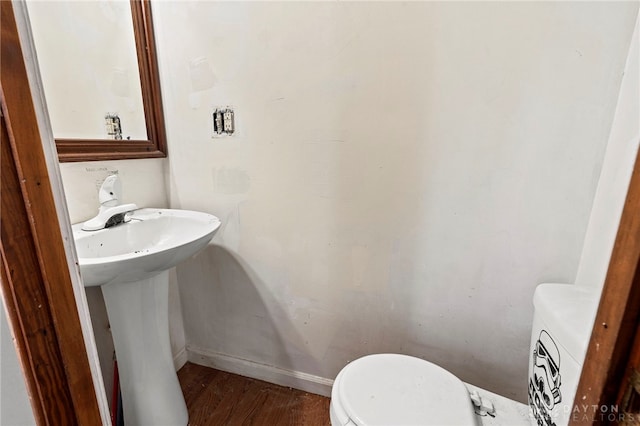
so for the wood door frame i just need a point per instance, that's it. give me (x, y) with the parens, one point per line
(37, 283)
(603, 378)
(65, 352)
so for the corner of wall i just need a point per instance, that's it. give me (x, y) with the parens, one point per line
(616, 172)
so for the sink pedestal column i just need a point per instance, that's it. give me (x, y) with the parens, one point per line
(139, 317)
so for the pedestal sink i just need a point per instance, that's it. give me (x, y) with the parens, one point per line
(130, 262)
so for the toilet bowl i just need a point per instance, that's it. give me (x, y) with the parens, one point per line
(401, 390)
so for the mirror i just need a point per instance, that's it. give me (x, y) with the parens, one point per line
(100, 77)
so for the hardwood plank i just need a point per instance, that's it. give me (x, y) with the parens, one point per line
(217, 398)
(194, 379)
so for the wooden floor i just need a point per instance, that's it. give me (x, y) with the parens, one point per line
(216, 398)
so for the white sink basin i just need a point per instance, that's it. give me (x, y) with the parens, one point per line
(153, 241)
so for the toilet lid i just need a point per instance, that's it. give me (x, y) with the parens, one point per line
(390, 389)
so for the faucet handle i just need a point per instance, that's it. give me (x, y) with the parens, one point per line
(110, 191)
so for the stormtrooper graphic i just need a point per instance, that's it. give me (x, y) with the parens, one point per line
(544, 384)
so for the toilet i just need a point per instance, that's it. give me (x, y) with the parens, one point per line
(402, 390)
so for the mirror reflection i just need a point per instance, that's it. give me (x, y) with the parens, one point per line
(95, 92)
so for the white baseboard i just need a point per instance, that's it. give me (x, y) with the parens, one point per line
(180, 358)
(268, 373)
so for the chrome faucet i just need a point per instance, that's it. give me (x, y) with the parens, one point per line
(111, 212)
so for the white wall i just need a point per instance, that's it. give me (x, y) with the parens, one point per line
(15, 408)
(614, 179)
(403, 176)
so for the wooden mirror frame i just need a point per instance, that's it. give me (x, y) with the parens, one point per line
(155, 144)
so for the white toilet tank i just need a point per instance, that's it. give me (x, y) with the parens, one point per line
(562, 324)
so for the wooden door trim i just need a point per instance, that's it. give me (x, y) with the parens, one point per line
(616, 319)
(37, 286)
